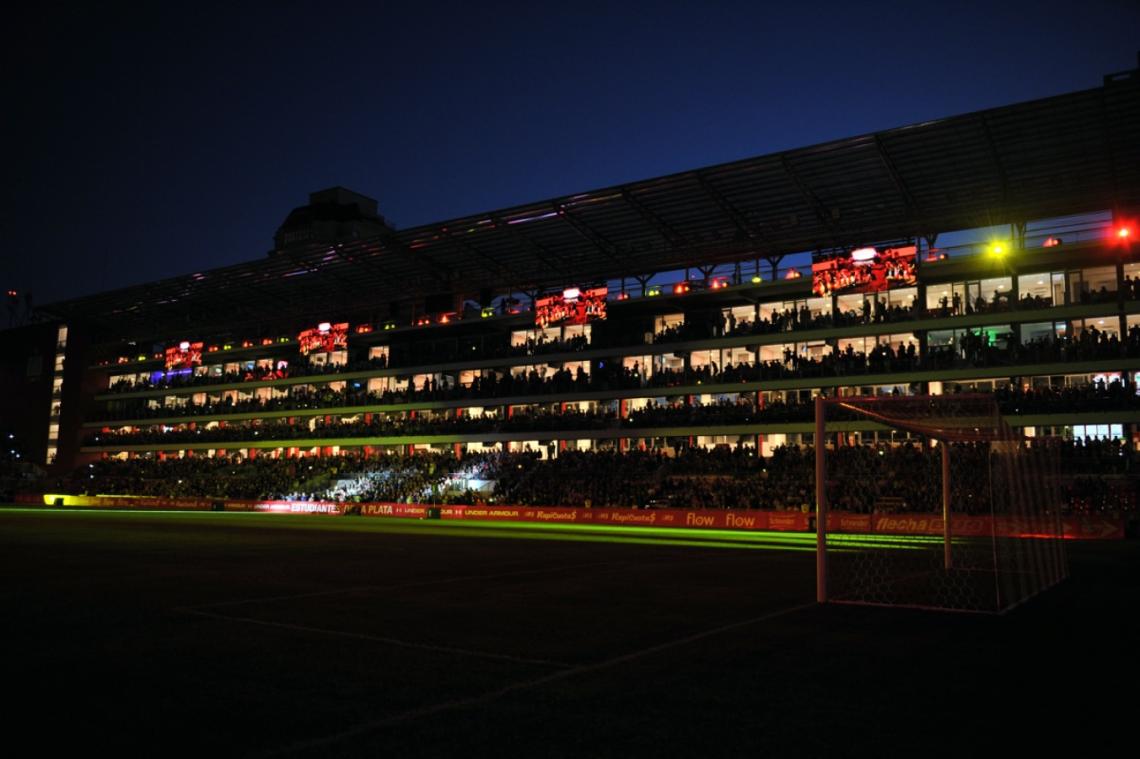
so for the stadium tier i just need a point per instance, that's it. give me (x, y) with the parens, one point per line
(656, 343)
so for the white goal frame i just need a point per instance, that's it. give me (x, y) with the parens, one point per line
(1040, 566)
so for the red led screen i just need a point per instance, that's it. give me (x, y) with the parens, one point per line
(323, 339)
(179, 357)
(572, 306)
(866, 270)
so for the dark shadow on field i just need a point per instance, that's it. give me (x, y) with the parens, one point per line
(418, 644)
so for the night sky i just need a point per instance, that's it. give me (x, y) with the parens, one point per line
(143, 143)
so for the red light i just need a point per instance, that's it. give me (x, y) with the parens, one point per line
(623, 296)
(680, 288)
(1123, 233)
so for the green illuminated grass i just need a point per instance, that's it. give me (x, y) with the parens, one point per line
(558, 531)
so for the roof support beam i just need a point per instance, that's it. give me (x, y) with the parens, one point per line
(529, 244)
(435, 269)
(729, 210)
(671, 235)
(995, 158)
(583, 229)
(893, 173)
(821, 211)
(488, 262)
(315, 268)
(363, 260)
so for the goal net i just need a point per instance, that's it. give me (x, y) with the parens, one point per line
(933, 502)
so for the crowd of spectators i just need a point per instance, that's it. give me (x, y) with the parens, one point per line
(17, 473)
(973, 349)
(1116, 395)
(177, 380)
(872, 310)
(1094, 476)
(542, 346)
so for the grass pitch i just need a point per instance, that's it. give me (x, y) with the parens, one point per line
(277, 635)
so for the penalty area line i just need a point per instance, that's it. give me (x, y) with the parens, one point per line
(381, 639)
(399, 586)
(522, 685)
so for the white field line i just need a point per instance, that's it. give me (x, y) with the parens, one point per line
(381, 639)
(400, 586)
(521, 685)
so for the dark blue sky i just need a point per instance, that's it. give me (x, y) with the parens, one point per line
(149, 143)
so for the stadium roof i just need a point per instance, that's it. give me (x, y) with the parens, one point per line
(1061, 155)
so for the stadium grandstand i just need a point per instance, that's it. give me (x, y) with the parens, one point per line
(654, 344)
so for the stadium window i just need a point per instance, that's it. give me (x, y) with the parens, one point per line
(668, 362)
(1044, 288)
(1100, 278)
(814, 349)
(995, 290)
(1108, 325)
(903, 297)
(774, 352)
(571, 331)
(668, 321)
(1039, 331)
(737, 356)
(850, 303)
(643, 363)
(818, 306)
(952, 298)
(1132, 275)
(1089, 285)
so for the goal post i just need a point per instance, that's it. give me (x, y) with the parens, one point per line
(933, 501)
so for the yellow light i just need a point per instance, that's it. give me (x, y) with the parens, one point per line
(757, 279)
(997, 248)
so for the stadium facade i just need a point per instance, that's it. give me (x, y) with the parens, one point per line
(703, 308)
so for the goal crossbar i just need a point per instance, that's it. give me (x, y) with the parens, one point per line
(947, 420)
